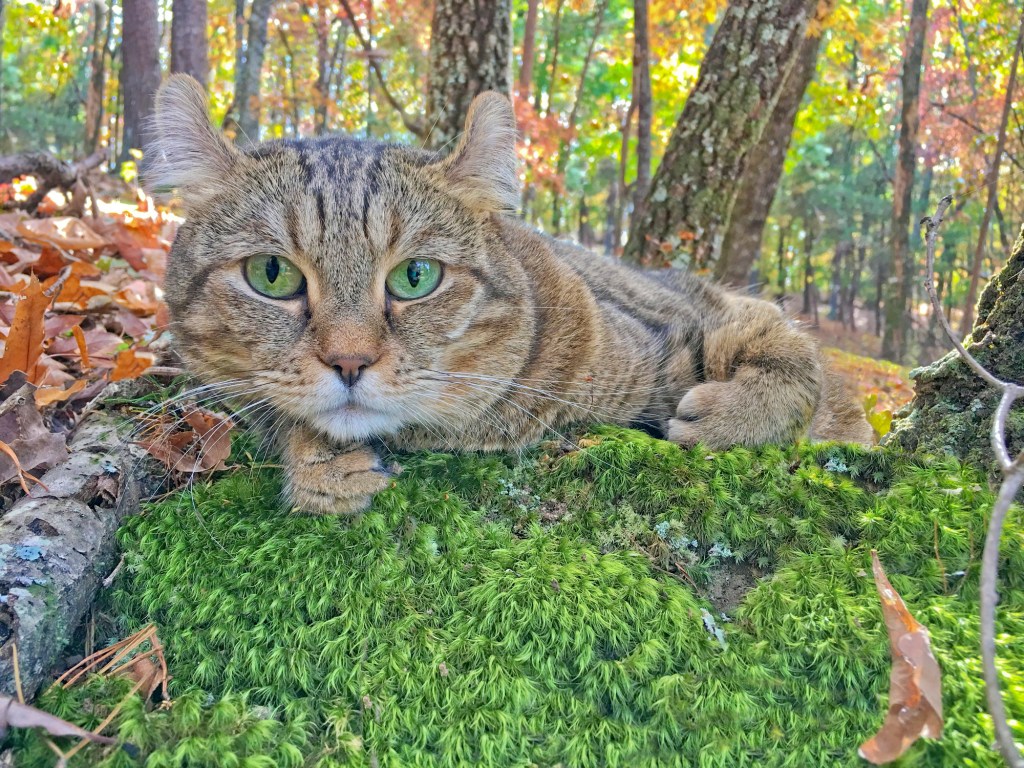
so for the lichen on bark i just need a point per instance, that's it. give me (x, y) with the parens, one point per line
(470, 52)
(952, 409)
(739, 83)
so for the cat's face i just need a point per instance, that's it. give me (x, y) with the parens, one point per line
(344, 281)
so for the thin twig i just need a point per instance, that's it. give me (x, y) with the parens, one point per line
(1013, 480)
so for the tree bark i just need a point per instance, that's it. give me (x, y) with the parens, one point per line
(248, 75)
(952, 408)
(742, 243)
(140, 73)
(529, 49)
(644, 103)
(739, 83)
(189, 43)
(470, 52)
(992, 184)
(97, 76)
(901, 280)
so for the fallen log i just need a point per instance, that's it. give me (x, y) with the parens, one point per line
(56, 546)
(49, 172)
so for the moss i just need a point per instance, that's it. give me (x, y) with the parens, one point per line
(545, 610)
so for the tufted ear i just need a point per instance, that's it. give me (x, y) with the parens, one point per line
(483, 171)
(184, 151)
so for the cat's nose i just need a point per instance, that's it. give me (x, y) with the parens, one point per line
(349, 367)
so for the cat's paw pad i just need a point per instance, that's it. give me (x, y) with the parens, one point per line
(342, 484)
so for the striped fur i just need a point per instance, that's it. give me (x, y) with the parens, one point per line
(524, 335)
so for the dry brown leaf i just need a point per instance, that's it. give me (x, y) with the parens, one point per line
(214, 433)
(24, 343)
(139, 296)
(203, 448)
(915, 685)
(83, 347)
(23, 430)
(14, 714)
(66, 232)
(130, 364)
(47, 395)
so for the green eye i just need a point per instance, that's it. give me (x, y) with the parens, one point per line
(274, 276)
(414, 278)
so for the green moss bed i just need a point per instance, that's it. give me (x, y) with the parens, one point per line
(563, 607)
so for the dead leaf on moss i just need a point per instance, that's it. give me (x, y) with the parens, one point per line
(17, 715)
(915, 685)
(203, 448)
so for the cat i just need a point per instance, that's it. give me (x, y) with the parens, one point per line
(369, 293)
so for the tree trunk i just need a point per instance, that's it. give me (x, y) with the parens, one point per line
(952, 408)
(740, 80)
(901, 281)
(140, 73)
(529, 49)
(97, 77)
(247, 77)
(992, 183)
(780, 256)
(810, 305)
(189, 44)
(627, 120)
(607, 174)
(470, 52)
(742, 243)
(644, 104)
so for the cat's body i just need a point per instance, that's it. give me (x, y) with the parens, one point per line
(519, 334)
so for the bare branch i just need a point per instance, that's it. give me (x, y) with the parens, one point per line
(1013, 480)
(412, 124)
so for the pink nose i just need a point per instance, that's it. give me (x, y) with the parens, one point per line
(349, 367)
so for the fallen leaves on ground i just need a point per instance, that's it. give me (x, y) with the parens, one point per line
(197, 441)
(889, 383)
(79, 308)
(915, 685)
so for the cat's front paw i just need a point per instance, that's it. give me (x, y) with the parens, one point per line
(720, 414)
(325, 479)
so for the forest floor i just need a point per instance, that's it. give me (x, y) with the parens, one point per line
(610, 598)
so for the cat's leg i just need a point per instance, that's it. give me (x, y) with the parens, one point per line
(326, 478)
(764, 381)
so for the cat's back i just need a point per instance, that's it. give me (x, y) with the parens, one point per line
(665, 296)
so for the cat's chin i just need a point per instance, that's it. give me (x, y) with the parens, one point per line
(351, 422)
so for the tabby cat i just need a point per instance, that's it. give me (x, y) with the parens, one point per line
(376, 296)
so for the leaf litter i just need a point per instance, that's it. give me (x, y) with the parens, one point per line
(80, 308)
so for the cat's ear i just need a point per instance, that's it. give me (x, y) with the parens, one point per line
(185, 152)
(483, 171)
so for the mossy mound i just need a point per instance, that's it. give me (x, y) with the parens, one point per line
(546, 610)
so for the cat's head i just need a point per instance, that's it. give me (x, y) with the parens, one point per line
(343, 281)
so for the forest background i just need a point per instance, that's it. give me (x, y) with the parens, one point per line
(824, 199)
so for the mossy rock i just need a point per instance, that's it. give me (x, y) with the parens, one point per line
(548, 609)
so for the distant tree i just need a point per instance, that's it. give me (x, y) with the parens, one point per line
(742, 244)
(644, 103)
(101, 30)
(901, 282)
(189, 44)
(246, 109)
(470, 52)
(140, 70)
(992, 185)
(740, 80)
(529, 49)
